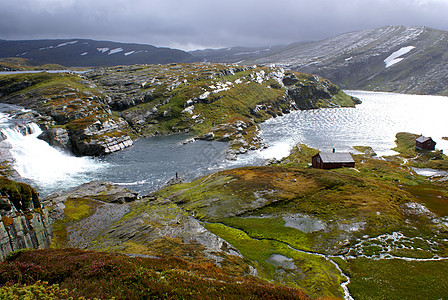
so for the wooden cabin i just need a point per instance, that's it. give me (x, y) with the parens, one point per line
(424, 143)
(333, 160)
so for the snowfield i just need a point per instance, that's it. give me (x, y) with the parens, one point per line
(395, 57)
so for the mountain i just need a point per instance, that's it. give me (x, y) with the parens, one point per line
(394, 59)
(82, 53)
(234, 54)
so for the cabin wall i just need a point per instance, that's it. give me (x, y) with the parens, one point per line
(429, 145)
(328, 166)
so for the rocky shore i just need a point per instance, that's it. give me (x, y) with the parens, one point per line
(104, 110)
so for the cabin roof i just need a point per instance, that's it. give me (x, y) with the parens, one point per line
(342, 157)
(422, 139)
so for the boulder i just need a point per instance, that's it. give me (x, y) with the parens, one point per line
(57, 137)
(95, 190)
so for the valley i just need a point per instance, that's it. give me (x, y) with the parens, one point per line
(236, 210)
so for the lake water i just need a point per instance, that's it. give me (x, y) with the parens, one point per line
(373, 123)
(151, 162)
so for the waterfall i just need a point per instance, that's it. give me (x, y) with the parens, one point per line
(46, 167)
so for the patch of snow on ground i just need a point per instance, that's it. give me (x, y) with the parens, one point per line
(395, 57)
(278, 76)
(189, 110)
(258, 76)
(67, 43)
(102, 50)
(418, 209)
(129, 53)
(116, 50)
(84, 53)
(204, 95)
(222, 87)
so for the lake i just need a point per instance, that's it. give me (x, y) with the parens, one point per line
(151, 162)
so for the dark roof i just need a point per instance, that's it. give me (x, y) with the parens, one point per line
(336, 157)
(422, 139)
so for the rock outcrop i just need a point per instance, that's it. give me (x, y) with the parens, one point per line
(94, 190)
(57, 137)
(24, 224)
(100, 111)
(73, 116)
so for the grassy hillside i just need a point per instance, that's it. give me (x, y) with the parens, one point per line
(379, 224)
(283, 217)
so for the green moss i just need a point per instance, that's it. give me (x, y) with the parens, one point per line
(20, 194)
(397, 279)
(300, 155)
(76, 209)
(259, 227)
(317, 276)
(434, 197)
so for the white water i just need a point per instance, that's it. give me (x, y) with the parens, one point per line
(46, 167)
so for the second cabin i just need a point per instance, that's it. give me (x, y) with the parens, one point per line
(424, 143)
(333, 160)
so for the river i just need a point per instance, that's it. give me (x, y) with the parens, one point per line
(152, 161)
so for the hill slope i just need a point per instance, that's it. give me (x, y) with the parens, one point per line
(81, 53)
(394, 58)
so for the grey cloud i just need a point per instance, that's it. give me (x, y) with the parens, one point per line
(205, 23)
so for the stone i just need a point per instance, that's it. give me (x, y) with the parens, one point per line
(57, 137)
(207, 137)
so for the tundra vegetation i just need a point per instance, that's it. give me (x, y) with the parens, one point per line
(379, 224)
(283, 230)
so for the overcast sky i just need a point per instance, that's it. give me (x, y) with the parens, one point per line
(192, 24)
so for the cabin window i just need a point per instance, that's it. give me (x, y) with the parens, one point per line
(318, 159)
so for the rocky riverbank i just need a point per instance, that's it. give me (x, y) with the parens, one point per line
(104, 110)
(25, 222)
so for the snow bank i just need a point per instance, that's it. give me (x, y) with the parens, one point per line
(116, 50)
(102, 50)
(395, 57)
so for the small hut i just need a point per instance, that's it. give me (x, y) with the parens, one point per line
(333, 160)
(424, 143)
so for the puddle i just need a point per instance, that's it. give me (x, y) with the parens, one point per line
(304, 223)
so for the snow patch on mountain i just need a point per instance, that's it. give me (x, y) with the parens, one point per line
(395, 57)
(84, 53)
(116, 50)
(129, 53)
(66, 43)
(102, 50)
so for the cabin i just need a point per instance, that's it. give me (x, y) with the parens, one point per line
(424, 143)
(333, 160)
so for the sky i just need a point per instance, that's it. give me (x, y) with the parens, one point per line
(199, 24)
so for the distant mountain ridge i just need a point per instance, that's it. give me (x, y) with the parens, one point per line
(393, 58)
(401, 59)
(82, 52)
